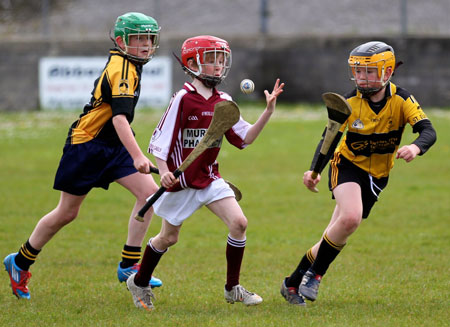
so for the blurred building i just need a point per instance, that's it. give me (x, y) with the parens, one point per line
(306, 43)
(81, 19)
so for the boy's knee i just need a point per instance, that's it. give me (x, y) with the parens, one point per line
(64, 217)
(351, 221)
(239, 224)
(143, 196)
(168, 240)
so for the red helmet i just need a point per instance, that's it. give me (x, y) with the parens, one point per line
(197, 48)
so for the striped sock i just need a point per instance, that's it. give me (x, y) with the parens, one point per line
(130, 256)
(234, 255)
(148, 264)
(27, 256)
(328, 251)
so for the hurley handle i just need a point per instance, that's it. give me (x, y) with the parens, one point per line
(155, 196)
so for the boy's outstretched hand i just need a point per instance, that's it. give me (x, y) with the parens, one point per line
(271, 98)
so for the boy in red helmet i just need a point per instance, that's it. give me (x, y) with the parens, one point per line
(207, 59)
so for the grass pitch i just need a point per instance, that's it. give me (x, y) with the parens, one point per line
(394, 271)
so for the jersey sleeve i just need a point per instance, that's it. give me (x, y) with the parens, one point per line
(168, 129)
(412, 111)
(123, 80)
(236, 134)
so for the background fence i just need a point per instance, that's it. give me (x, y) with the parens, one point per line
(304, 43)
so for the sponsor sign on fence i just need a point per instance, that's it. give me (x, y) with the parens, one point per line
(67, 82)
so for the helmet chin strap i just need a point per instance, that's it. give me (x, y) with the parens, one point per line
(209, 81)
(368, 91)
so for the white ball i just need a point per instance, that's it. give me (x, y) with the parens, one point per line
(247, 86)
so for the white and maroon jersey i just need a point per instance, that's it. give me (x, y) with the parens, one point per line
(181, 128)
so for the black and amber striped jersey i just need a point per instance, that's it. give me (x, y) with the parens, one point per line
(115, 92)
(374, 133)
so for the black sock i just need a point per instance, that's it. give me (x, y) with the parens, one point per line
(130, 256)
(26, 256)
(296, 277)
(328, 251)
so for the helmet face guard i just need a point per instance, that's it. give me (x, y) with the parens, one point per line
(139, 26)
(211, 55)
(371, 61)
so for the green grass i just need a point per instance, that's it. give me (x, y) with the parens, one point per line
(394, 271)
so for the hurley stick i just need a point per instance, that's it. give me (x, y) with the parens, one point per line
(226, 114)
(236, 190)
(338, 111)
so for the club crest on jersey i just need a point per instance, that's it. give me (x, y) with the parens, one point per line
(123, 87)
(358, 124)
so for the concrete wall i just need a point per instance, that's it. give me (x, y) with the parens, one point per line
(308, 66)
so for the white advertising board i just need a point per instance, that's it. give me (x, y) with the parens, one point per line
(67, 82)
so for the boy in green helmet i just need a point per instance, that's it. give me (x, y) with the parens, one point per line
(100, 149)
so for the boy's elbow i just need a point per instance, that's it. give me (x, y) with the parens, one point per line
(250, 137)
(248, 141)
(434, 136)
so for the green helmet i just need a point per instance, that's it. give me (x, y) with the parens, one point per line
(134, 23)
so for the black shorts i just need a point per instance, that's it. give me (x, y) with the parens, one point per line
(92, 164)
(343, 171)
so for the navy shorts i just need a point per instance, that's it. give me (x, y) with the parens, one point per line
(343, 171)
(92, 164)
